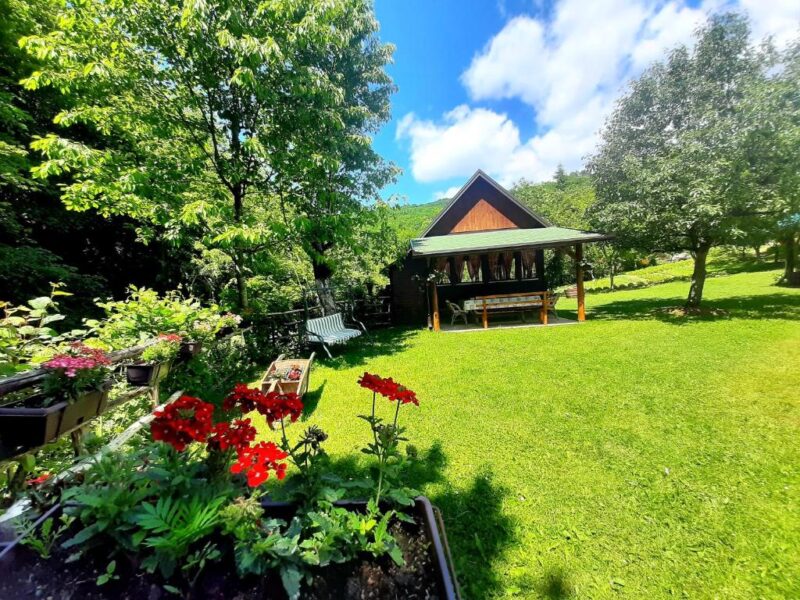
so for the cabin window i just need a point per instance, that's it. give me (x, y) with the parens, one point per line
(501, 265)
(441, 269)
(471, 269)
(528, 263)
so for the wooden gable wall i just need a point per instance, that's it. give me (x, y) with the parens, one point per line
(482, 207)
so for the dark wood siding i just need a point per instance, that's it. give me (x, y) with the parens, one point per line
(408, 301)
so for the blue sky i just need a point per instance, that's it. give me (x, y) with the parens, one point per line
(516, 87)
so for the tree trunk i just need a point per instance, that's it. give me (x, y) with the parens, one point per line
(322, 281)
(698, 277)
(790, 250)
(611, 276)
(241, 286)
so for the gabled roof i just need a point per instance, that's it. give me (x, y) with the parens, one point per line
(503, 239)
(480, 174)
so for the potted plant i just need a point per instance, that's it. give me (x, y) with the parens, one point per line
(74, 391)
(204, 510)
(227, 324)
(155, 361)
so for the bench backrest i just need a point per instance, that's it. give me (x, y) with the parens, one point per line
(326, 325)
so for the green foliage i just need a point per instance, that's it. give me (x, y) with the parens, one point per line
(26, 335)
(171, 526)
(221, 119)
(43, 538)
(672, 170)
(563, 201)
(161, 352)
(145, 313)
(109, 574)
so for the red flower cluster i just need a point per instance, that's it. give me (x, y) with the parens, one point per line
(181, 422)
(388, 388)
(256, 462)
(237, 434)
(39, 480)
(243, 397)
(274, 405)
(170, 337)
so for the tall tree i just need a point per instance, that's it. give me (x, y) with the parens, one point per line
(214, 105)
(669, 170)
(773, 107)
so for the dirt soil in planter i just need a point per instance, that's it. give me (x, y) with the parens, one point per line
(28, 576)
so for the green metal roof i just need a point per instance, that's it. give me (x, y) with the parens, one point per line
(503, 239)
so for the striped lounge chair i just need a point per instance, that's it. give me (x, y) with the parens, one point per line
(330, 330)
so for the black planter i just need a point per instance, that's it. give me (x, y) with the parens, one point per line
(146, 375)
(225, 331)
(427, 514)
(433, 527)
(189, 349)
(22, 428)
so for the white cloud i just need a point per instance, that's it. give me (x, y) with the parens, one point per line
(569, 69)
(448, 193)
(466, 139)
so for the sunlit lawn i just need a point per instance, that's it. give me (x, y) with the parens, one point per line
(635, 455)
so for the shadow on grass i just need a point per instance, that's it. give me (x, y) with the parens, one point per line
(768, 306)
(477, 529)
(311, 401)
(376, 343)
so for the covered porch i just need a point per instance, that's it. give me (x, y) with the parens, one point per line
(497, 278)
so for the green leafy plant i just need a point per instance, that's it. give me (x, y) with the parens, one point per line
(109, 574)
(43, 538)
(26, 333)
(171, 526)
(145, 313)
(164, 350)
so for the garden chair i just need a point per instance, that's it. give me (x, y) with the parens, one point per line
(552, 300)
(458, 312)
(330, 330)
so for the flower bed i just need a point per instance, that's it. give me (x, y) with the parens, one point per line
(194, 509)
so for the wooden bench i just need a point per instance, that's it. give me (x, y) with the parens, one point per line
(330, 331)
(510, 303)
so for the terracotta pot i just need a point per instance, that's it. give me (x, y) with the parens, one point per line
(23, 428)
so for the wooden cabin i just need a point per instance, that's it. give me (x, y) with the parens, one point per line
(483, 243)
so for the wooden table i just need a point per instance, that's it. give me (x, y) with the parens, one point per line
(508, 303)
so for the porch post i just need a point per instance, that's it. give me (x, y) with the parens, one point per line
(435, 307)
(579, 282)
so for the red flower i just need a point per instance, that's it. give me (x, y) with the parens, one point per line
(243, 397)
(257, 461)
(170, 337)
(39, 480)
(236, 435)
(388, 388)
(184, 421)
(274, 405)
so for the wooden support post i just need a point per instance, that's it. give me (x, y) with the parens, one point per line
(579, 282)
(436, 326)
(485, 316)
(155, 393)
(543, 316)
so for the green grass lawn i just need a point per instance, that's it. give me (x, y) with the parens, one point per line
(636, 455)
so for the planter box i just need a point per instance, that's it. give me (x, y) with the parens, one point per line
(22, 428)
(189, 349)
(433, 528)
(146, 375)
(428, 515)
